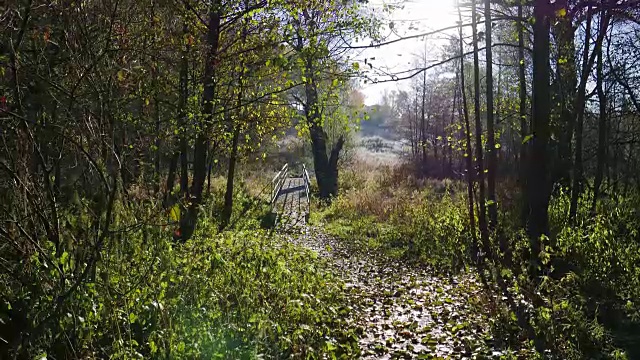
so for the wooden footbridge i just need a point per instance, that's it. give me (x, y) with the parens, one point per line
(290, 200)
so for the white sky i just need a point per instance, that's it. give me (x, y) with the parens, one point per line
(422, 16)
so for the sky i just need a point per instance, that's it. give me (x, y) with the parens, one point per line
(416, 16)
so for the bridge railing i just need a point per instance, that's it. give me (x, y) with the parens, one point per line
(307, 183)
(278, 181)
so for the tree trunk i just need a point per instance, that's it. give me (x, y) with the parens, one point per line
(576, 187)
(524, 129)
(171, 178)
(188, 223)
(588, 61)
(492, 163)
(602, 130)
(210, 164)
(326, 168)
(182, 121)
(615, 156)
(333, 166)
(449, 171)
(184, 168)
(228, 195)
(435, 143)
(565, 95)
(158, 143)
(318, 137)
(411, 133)
(464, 113)
(538, 160)
(234, 128)
(482, 214)
(423, 135)
(416, 128)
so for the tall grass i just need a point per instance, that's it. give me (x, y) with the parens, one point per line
(392, 210)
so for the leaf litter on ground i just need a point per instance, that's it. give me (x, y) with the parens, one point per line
(406, 312)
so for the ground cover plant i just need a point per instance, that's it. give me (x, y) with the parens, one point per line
(240, 294)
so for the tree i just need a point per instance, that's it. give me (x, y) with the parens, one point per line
(464, 114)
(522, 112)
(482, 212)
(539, 184)
(602, 130)
(318, 43)
(188, 222)
(492, 164)
(588, 61)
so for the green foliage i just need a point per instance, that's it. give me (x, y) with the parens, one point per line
(584, 302)
(597, 278)
(584, 305)
(237, 294)
(427, 224)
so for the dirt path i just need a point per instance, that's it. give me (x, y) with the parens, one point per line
(407, 313)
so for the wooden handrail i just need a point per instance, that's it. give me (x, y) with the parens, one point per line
(278, 181)
(307, 183)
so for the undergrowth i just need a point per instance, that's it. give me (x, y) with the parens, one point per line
(586, 306)
(401, 216)
(239, 294)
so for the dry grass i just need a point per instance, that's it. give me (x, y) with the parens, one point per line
(388, 207)
(381, 190)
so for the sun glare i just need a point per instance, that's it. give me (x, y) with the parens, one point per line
(414, 17)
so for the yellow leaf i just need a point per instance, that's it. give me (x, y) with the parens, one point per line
(174, 213)
(561, 12)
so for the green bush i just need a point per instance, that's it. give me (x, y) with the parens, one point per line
(597, 289)
(236, 294)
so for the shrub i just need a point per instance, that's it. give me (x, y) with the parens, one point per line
(236, 294)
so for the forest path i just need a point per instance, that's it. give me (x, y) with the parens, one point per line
(406, 313)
